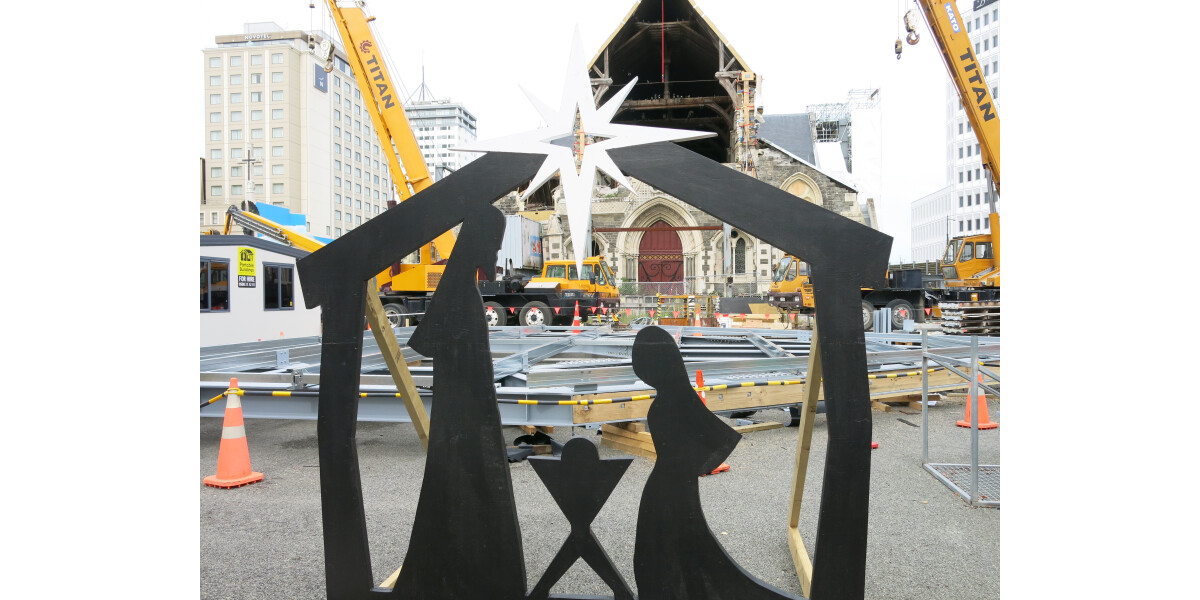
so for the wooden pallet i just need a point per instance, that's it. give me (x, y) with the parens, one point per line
(630, 438)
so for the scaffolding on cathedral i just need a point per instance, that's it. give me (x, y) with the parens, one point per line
(831, 122)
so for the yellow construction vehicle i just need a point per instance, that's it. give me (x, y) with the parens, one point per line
(791, 291)
(970, 266)
(552, 296)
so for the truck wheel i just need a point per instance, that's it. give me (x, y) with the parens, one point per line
(495, 314)
(868, 316)
(396, 315)
(536, 313)
(901, 310)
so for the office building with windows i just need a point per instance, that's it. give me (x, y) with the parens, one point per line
(440, 125)
(279, 129)
(967, 210)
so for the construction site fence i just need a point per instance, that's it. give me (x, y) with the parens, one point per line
(699, 286)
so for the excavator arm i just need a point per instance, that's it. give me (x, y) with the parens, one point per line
(269, 229)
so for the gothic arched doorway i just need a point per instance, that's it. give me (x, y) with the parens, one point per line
(660, 258)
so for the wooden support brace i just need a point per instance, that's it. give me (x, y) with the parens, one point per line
(804, 566)
(382, 329)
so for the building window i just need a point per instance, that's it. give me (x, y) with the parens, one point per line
(985, 45)
(358, 204)
(256, 115)
(960, 177)
(235, 61)
(255, 78)
(995, 40)
(326, 230)
(337, 215)
(739, 256)
(357, 190)
(215, 191)
(235, 190)
(214, 117)
(977, 200)
(985, 18)
(235, 171)
(960, 129)
(214, 172)
(985, 70)
(214, 98)
(214, 284)
(214, 154)
(277, 132)
(235, 134)
(255, 60)
(968, 225)
(214, 80)
(277, 77)
(960, 152)
(337, 232)
(996, 92)
(277, 95)
(995, 66)
(358, 219)
(256, 96)
(960, 226)
(960, 201)
(277, 287)
(214, 135)
(277, 169)
(277, 58)
(976, 174)
(976, 47)
(995, 14)
(337, 198)
(258, 188)
(337, 182)
(214, 62)
(235, 116)
(256, 134)
(276, 113)
(235, 153)
(277, 151)
(235, 80)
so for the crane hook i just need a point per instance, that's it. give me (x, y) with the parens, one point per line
(910, 24)
(899, 48)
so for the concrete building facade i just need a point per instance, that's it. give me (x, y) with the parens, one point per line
(280, 130)
(440, 125)
(932, 225)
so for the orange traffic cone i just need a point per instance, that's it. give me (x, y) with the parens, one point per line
(576, 323)
(985, 422)
(700, 384)
(233, 458)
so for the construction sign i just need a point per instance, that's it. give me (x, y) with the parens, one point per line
(246, 270)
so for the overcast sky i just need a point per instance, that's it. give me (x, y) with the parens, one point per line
(477, 52)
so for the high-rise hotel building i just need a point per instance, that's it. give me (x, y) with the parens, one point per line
(279, 129)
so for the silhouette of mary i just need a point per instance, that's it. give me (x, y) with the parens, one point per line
(676, 555)
(466, 542)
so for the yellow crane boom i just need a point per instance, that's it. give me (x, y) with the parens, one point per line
(381, 99)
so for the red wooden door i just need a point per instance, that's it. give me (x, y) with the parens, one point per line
(660, 258)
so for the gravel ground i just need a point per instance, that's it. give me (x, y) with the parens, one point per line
(264, 540)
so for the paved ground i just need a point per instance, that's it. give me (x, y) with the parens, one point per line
(264, 540)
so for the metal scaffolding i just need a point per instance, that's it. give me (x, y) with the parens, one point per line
(554, 376)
